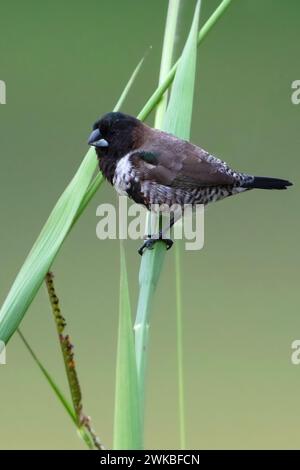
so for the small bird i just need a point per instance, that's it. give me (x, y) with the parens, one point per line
(154, 167)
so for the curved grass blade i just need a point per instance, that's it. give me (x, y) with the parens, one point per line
(59, 394)
(43, 253)
(65, 213)
(180, 365)
(127, 424)
(152, 262)
(159, 92)
(128, 86)
(167, 57)
(177, 121)
(178, 118)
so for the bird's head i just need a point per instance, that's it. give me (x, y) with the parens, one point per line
(115, 134)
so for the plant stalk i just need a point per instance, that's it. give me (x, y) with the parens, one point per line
(151, 263)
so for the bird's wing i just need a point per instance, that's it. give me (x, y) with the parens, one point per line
(178, 163)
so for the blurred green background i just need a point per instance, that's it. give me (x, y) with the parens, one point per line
(65, 64)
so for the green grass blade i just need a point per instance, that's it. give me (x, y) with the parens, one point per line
(178, 116)
(180, 104)
(59, 394)
(150, 269)
(167, 57)
(65, 213)
(178, 120)
(159, 92)
(127, 424)
(43, 253)
(152, 262)
(128, 86)
(179, 339)
(68, 407)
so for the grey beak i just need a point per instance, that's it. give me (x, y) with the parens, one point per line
(95, 139)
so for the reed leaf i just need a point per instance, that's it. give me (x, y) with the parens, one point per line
(167, 56)
(178, 120)
(179, 339)
(127, 423)
(66, 212)
(159, 92)
(178, 115)
(83, 434)
(152, 262)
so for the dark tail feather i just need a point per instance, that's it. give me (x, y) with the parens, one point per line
(261, 182)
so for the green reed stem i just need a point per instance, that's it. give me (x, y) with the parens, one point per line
(152, 262)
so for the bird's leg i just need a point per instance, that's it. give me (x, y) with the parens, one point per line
(161, 236)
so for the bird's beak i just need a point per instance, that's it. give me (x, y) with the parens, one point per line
(95, 139)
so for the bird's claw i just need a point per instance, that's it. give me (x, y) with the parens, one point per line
(150, 242)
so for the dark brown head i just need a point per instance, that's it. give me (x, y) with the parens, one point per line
(116, 134)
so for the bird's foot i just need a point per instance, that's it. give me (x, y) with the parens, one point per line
(150, 241)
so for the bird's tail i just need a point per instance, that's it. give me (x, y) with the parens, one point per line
(262, 182)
